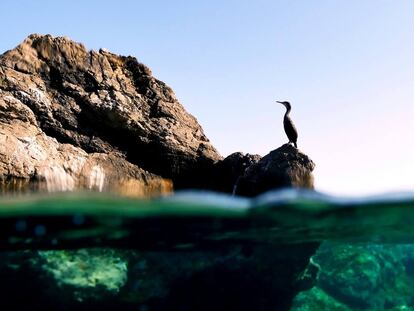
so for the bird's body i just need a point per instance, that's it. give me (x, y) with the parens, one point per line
(290, 128)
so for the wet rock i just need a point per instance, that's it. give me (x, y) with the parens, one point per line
(86, 102)
(283, 167)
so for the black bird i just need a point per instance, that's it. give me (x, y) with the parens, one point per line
(290, 128)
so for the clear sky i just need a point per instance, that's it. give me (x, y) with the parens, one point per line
(347, 67)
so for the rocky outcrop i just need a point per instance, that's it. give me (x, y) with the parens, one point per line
(72, 118)
(68, 108)
(251, 175)
(283, 167)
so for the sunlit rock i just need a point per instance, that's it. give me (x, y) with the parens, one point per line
(62, 106)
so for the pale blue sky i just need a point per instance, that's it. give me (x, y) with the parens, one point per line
(228, 61)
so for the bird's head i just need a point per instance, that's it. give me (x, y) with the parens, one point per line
(286, 104)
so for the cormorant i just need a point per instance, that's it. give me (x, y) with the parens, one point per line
(290, 128)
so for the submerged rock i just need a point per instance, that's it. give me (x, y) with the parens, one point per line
(62, 102)
(316, 299)
(360, 277)
(238, 277)
(283, 167)
(85, 273)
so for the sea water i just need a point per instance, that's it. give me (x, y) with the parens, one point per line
(76, 250)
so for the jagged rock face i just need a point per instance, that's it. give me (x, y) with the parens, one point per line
(283, 167)
(64, 96)
(31, 160)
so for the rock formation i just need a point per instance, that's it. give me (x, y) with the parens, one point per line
(72, 118)
(283, 167)
(78, 115)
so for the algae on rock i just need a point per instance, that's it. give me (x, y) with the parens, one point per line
(85, 270)
(361, 277)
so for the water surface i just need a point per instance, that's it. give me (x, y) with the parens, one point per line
(287, 216)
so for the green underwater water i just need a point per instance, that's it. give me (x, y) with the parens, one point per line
(117, 252)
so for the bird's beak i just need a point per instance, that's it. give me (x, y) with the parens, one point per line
(279, 102)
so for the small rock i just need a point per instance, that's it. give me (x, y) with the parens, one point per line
(283, 167)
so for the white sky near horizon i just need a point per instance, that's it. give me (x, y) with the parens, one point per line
(347, 67)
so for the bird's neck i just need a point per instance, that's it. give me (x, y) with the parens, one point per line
(287, 111)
